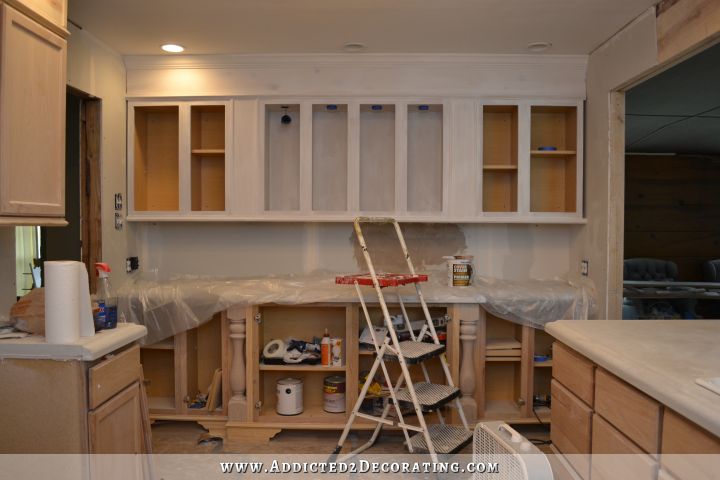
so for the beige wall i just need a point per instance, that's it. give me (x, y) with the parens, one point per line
(96, 69)
(630, 53)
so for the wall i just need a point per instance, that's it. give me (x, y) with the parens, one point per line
(251, 249)
(672, 210)
(7, 271)
(622, 59)
(96, 69)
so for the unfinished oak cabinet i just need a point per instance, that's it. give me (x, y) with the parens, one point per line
(179, 158)
(32, 121)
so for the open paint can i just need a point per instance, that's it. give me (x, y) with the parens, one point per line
(289, 396)
(334, 394)
(460, 270)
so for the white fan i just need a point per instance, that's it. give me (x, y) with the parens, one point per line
(516, 458)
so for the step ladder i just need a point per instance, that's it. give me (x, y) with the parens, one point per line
(422, 397)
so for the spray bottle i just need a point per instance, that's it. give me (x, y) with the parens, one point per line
(106, 315)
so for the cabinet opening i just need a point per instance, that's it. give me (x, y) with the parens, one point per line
(500, 158)
(207, 168)
(377, 158)
(156, 163)
(158, 368)
(424, 158)
(330, 155)
(502, 390)
(282, 157)
(553, 159)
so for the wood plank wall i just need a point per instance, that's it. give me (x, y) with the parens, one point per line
(672, 210)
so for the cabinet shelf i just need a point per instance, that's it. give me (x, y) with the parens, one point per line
(300, 368)
(208, 152)
(313, 415)
(500, 167)
(552, 153)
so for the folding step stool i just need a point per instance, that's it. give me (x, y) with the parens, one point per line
(424, 396)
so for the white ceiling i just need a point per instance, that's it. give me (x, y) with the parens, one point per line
(139, 27)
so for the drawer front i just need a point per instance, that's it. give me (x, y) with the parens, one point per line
(113, 374)
(571, 427)
(574, 371)
(688, 451)
(613, 453)
(629, 410)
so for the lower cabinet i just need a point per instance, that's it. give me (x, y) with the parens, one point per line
(627, 433)
(79, 407)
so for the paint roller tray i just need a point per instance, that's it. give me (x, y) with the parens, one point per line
(384, 279)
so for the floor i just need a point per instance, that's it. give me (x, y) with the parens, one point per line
(190, 438)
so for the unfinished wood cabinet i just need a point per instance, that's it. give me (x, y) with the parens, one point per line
(500, 158)
(425, 158)
(74, 407)
(330, 157)
(554, 174)
(32, 118)
(282, 157)
(51, 13)
(178, 368)
(377, 157)
(177, 155)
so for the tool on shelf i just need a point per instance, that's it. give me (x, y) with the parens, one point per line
(420, 397)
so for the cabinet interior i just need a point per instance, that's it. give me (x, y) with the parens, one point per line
(156, 155)
(377, 158)
(424, 158)
(329, 157)
(500, 158)
(553, 173)
(282, 158)
(207, 169)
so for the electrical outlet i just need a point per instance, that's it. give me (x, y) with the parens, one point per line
(118, 222)
(132, 264)
(584, 268)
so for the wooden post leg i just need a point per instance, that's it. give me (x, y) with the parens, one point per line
(468, 374)
(237, 408)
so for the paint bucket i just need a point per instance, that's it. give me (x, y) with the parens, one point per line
(460, 270)
(334, 394)
(289, 396)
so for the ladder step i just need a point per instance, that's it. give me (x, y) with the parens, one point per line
(430, 395)
(446, 439)
(416, 352)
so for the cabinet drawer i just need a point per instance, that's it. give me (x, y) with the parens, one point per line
(629, 410)
(613, 453)
(570, 430)
(685, 449)
(113, 374)
(574, 371)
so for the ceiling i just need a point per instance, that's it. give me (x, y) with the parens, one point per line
(677, 111)
(139, 27)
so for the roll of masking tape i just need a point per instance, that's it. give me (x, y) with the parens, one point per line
(274, 349)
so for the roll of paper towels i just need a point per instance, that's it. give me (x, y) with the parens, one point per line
(68, 313)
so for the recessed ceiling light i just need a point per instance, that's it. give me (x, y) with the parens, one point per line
(172, 48)
(354, 47)
(538, 47)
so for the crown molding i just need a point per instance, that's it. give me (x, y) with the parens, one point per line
(239, 61)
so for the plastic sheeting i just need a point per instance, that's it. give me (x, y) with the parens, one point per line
(183, 303)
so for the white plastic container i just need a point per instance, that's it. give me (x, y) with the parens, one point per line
(289, 396)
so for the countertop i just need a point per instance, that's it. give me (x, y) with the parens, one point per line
(659, 357)
(85, 349)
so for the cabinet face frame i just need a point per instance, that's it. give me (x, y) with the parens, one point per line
(184, 158)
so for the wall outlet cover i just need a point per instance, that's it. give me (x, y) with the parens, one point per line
(584, 267)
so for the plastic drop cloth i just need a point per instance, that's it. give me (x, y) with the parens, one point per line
(182, 303)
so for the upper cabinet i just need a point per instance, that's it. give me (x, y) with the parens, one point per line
(456, 160)
(53, 13)
(32, 121)
(177, 158)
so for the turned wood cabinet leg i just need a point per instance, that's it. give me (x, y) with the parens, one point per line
(237, 409)
(468, 318)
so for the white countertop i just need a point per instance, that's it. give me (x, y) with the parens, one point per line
(662, 358)
(86, 349)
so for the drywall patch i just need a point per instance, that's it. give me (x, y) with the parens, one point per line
(427, 244)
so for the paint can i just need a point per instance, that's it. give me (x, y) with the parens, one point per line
(289, 396)
(334, 394)
(460, 270)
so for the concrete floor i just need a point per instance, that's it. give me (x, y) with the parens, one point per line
(185, 438)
